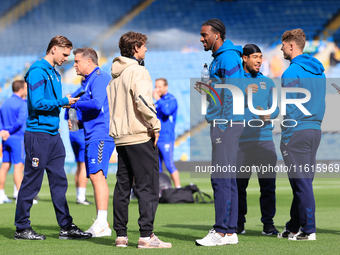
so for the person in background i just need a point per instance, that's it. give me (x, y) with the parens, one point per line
(166, 107)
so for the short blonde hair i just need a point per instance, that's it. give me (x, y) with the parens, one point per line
(296, 35)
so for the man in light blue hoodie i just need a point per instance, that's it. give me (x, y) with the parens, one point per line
(43, 145)
(226, 68)
(301, 134)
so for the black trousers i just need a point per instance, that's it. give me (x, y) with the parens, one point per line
(139, 161)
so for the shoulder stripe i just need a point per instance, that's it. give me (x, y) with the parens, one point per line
(143, 100)
(36, 85)
(230, 72)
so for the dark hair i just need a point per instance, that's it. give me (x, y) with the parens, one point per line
(249, 49)
(17, 85)
(129, 40)
(86, 53)
(163, 80)
(216, 26)
(60, 41)
(296, 35)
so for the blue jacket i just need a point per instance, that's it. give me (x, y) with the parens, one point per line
(226, 64)
(77, 135)
(13, 115)
(44, 98)
(304, 72)
(94, 106)
(166, 108)
(264, 99)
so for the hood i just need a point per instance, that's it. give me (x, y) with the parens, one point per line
(228, 45)
(43, 64)
(119, 64)
(309, 64)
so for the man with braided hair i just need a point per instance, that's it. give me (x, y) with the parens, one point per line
(226, 67)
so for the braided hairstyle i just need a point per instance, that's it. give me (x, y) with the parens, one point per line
(216, 26)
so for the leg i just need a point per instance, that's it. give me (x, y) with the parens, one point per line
(121, 195)
(36, 147)
(18, 174)
(101, 190)
(167, 155)
(5, 166)
(146, 173)
(58, 181)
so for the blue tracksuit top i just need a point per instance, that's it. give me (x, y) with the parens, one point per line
(264, 99)
(166, 108)
(226, 64)
(44, 98)
(94, 106)
(304, 72)
(78, 135)
(13, 115)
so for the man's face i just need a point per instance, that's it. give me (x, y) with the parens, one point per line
(80, 64)
(207, 37)
(61, 55)
(253, 62)
(141, 52)
(287, 50)
(161, 88)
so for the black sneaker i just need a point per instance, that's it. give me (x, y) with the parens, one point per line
(85, 202)
(28, 234)
(305, 237)
(240, 229)
(269, 229)
(73, 232)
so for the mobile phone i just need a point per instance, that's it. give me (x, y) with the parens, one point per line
(336, 86)
(83, 92)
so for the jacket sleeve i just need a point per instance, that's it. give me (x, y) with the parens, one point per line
(167, 107)
(144, 103)
(20, 121)
(98, 96)
(1, 125)
(36, 88)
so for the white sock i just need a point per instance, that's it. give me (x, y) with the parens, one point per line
(102, 216)
(146, 238)
(15, 191)
(81, 194)
(178, 187)
(2, 192)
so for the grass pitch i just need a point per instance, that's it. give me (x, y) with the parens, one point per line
(179, 224)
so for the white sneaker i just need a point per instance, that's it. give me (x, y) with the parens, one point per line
(213, 239)
(5, 199)
(301, 236)
(99, 229)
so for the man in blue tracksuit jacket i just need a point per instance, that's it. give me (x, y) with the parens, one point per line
(166, 107)
(77, 139)
(299, 144)
(224, 137)
(96, 122)
(43, 145)
(13, 115)
(256, 147)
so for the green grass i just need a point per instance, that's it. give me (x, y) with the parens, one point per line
(179, 224)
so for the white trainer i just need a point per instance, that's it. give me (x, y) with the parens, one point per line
(214, 239)
(292, 236)
(99, 229)
(301, 236)
(5, 199)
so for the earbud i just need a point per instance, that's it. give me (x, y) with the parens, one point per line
(216, 37)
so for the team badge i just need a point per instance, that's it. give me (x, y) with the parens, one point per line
(35, 162)
(263, 85)
(98, 72)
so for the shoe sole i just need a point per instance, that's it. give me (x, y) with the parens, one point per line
(143, 247)
(17, 238)
(121, 245)
(74, 237)
(107, 232)
(269, 234)
(198, 244)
